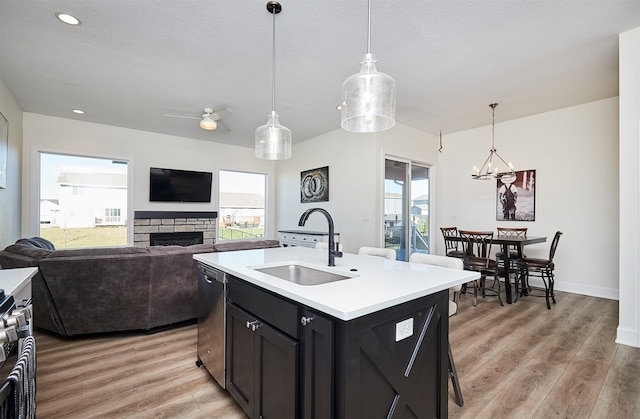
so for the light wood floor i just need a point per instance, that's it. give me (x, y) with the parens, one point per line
(517, 361)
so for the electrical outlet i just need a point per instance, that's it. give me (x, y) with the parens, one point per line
(404, 329)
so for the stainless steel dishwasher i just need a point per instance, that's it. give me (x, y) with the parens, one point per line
(212, 290)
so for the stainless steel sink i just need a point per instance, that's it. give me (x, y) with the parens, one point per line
(302, 275)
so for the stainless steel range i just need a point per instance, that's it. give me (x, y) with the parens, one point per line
(17, 359)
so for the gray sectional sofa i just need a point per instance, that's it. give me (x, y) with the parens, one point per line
(97, 290)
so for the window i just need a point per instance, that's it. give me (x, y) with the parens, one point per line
(83, 201)
(406, 208)
(242, 205)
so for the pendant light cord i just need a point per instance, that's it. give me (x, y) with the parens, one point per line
(369, 29)
(273, 64)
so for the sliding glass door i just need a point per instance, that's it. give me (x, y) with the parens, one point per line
(406, 207)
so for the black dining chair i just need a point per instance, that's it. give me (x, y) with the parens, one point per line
(541, 268)
(451, 246)
(477, 248)
(515, 253)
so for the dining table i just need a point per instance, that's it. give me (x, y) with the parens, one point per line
(506, 243)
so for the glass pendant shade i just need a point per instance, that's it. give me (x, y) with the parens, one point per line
(273, 141)
(368, 99)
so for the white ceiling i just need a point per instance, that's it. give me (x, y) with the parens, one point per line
(131, 62)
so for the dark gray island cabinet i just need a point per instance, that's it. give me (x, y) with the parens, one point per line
(285, 359)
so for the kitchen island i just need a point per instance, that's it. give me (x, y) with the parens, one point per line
(371, 345)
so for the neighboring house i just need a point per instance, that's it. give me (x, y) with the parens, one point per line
(241, 209)
(92, 199)
(49, 210)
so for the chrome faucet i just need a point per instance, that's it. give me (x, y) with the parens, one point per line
(334, 251)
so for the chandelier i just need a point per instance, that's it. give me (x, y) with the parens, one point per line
(491, 169)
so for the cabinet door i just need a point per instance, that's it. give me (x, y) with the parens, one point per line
(262, 367)
(240, 358)
(318, 359)
(276, 374)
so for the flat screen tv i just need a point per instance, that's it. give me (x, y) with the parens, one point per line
(171, 185)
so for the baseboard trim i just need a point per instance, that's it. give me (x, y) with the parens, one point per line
(575, 288)
(628, 337)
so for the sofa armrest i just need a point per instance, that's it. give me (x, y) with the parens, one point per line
(245, 245)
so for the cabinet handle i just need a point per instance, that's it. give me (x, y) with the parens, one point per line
(306, 320)
(254, 325)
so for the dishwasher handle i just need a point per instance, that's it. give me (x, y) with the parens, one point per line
(212, 274)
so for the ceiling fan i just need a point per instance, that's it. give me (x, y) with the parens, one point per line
(210, 118)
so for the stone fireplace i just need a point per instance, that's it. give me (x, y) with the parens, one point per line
(173, 228)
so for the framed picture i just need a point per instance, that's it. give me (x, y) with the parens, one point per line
(4, 150)
(516, 201)
(314, 185)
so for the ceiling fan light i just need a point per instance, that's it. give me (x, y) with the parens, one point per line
(207, 123)
(273, 141)
(368, 99)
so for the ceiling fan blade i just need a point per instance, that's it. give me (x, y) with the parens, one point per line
(182, 116)
(222, 124)
(221, 113)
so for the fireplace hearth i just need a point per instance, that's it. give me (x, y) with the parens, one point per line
(175, 239)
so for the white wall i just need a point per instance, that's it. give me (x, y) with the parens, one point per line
(142, 149)
(629, 322)
(356, 170)
(10, 196)
(575, 154)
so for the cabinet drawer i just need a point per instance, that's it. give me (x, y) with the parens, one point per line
(274, 310)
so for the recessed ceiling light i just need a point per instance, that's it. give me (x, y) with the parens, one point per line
(78, 111)
(68, 19)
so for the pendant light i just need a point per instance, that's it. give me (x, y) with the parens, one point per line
(489, 170)
(273, 141)
(368, 97)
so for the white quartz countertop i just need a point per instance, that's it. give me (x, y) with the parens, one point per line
(12, 281)
(377, 284)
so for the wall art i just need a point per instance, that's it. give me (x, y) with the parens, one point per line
(314, 185)
(516, 201)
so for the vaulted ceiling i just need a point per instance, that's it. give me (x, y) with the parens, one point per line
(130, 63)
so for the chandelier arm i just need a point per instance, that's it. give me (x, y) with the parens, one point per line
(487, 163)
(505, 163)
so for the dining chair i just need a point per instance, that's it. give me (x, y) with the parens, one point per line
(453, 263)
(477, 247)
(515, 253)
(542, 268)
(451, 246)
(378, 251)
